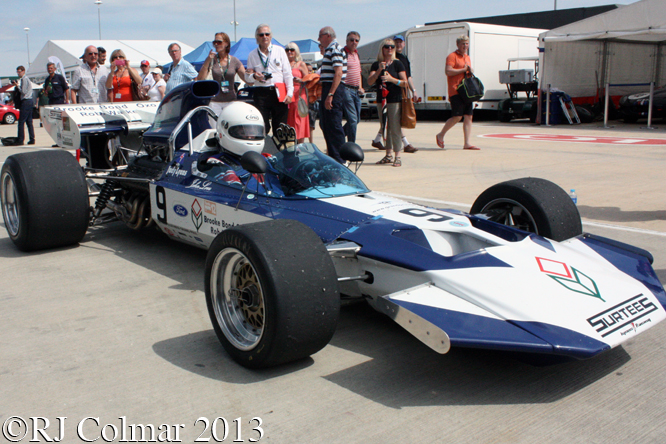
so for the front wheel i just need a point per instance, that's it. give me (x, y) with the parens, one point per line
(531, 204)
(272, 292)
(9, 118)
(44, 200)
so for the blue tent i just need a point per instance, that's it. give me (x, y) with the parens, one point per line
(242, 48)
(307, 45)
(198, 56)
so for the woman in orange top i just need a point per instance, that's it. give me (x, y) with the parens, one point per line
(119, 82)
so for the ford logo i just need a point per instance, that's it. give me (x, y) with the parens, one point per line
(252, 117)
(180, 210)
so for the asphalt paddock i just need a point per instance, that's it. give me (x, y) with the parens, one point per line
(117, 326)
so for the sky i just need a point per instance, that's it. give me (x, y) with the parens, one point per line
(195, 21)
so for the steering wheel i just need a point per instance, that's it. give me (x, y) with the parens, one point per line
(303, 168)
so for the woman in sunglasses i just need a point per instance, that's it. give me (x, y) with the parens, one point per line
(388, 73)
(299, 70)
(119, 82)
(222, 67)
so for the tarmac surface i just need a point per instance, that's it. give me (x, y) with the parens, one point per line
(117, 326)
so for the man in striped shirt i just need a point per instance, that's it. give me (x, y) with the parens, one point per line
(333, 73)
(353, 86)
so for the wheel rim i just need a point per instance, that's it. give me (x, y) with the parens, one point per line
(10, 205)
(511, 213)
(9, 118)
(238, 299)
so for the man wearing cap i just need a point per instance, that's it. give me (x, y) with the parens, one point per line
(148, 80)
(89, 79)
(399, 47)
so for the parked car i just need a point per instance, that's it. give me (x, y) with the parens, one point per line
(368, 104)
(635, 106)
(8, 114)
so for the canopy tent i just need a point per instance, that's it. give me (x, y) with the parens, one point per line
(69, 51)
(242, 48)
(623, 48)
(307, 45)
(198, 56)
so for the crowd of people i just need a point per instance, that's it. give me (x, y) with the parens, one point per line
(286, 89)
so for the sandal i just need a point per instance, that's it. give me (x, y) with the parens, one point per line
(397, 163)
(385, 159)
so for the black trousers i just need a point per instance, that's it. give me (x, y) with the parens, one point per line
(331, 120)
(272, 110)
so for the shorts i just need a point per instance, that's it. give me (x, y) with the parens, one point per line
(459, 107)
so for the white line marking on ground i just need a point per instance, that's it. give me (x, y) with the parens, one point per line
(585, 222)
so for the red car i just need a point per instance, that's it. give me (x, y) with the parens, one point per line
(8, 114)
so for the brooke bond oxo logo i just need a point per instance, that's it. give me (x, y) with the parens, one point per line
(569, 277)
(197, 217)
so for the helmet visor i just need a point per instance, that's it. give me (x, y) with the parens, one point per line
(247, 132)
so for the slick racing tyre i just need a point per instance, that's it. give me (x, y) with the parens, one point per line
(44, 200)
(272, 292)
(531, 204)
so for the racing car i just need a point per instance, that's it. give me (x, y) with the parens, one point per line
(290, 233)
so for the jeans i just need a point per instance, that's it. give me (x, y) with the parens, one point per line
(331, 120)
(352, 112)
(25, 116)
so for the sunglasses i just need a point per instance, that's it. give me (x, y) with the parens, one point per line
(217, 42)
(92, 53)
(290, 50)
(264, 34)
(116, 57)
(389, 46)
(354, 40)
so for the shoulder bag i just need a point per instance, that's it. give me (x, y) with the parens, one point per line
(408, 113)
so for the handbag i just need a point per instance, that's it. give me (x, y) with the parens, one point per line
(303, 107)
(138, 94)
(407, 113)
(471, 89)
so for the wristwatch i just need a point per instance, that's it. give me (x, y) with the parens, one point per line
(331, 94)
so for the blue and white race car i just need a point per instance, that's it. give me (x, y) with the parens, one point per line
(290, 233)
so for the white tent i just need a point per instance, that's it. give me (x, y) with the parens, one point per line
(623, 47)
(69, 51)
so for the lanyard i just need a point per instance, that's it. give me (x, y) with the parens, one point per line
(228, 63)
(265, 64)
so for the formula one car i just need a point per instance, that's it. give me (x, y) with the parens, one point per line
(290, 232)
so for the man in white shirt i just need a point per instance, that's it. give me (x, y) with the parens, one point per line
(269, 69)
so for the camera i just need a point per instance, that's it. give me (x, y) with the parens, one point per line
(267, 75)
(119, 62)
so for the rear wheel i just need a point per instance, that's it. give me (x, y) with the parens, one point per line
(44, 200)
(531, 204)
(272, 292)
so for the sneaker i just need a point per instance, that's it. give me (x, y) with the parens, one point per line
(378, 145)
(32, 142)
(409, 148)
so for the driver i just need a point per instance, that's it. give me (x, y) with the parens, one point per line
(240, 129)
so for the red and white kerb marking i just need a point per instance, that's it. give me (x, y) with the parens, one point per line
(577, 139)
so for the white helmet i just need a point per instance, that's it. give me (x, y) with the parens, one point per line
(240, 128)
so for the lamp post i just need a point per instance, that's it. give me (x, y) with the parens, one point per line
(27, 41)
(235, 23)
(99, 19)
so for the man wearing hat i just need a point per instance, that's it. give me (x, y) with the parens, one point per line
(399, 47)
(148, 80)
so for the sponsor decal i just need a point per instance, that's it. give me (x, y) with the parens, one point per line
(179, 159)
(198, 184)
(168, 231)
(457, 223)
(252, 117)
(623, 317)
(210, 207)
(197, 217)
(180, 210)
(175, 171)
(569, 277)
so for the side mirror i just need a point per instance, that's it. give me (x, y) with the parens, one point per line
(212, 142)
(254, 162)
(351, 152)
